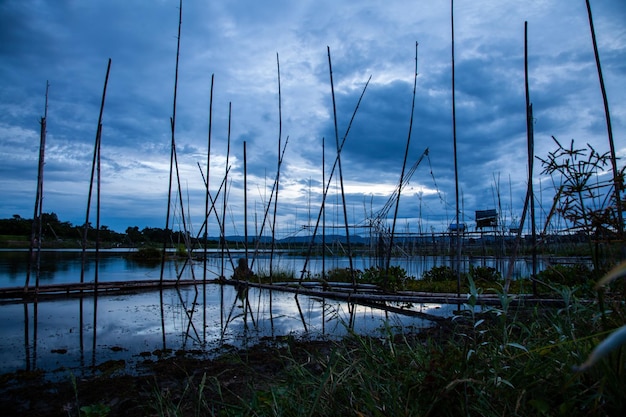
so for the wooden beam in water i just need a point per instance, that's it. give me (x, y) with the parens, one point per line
(88, 289)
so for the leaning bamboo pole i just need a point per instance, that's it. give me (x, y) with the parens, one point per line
(343, 194)
(617, 179)
(96, 156)
(406, 155)
(269, 203)
(325, 192)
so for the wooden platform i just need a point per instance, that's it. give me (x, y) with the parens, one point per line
(361, 294)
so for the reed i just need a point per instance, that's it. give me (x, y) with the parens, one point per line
(492, 361)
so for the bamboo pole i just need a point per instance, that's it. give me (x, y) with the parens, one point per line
(406, 155)
(323, 211)
(224, 196)
(206, 209)
(280, 130)
(269, 203)
(332, 171)
(339, 147)
(245, 199)
(617, 179)
(173, 143)
(186, 237)
(456, 167)
(36, 227)
(96, 155)
(531, 158)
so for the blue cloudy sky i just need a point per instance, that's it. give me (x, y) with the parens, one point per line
(69, 42)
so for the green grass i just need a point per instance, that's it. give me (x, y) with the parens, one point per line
(503, 361)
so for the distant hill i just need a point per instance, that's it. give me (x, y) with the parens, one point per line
(297, 239)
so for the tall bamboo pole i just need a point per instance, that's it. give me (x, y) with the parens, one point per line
(186, 236)
(332, 172)
(323, 211)
(280, 130)
(36, 228)
(96, 153)
(206, 208)
(245, 200)
(269, 203)
(531, 158)
(406, 155)
(173, 142)
(224, 197)
(617, 180)
(343, 194)
(456, 167)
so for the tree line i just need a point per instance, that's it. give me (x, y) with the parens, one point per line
(53, 229)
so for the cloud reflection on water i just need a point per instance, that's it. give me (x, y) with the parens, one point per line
(129, 327)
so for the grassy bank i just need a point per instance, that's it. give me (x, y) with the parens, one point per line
(519, 362)
(508, 361)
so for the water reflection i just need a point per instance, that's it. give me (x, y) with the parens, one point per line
(79, 334)
(65, 266)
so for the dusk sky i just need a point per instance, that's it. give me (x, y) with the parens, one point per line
(68, 43)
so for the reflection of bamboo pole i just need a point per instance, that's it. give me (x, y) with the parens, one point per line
(301, 314)
(343, 194)
(189, 313)
(617, 180)
(162, 305)
(26, 340)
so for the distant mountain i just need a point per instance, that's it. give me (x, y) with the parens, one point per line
(296, 239)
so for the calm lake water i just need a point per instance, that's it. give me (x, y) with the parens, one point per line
(76, 334)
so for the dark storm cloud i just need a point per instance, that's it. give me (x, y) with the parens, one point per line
(69, 43)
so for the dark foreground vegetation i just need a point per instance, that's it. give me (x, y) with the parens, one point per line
(525, 360)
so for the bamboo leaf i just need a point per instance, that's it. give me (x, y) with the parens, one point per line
(517, 345)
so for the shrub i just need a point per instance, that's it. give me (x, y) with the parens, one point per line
(484, 274)
(439, 274)
(393, 279)
(571, 275)
(343, 275)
